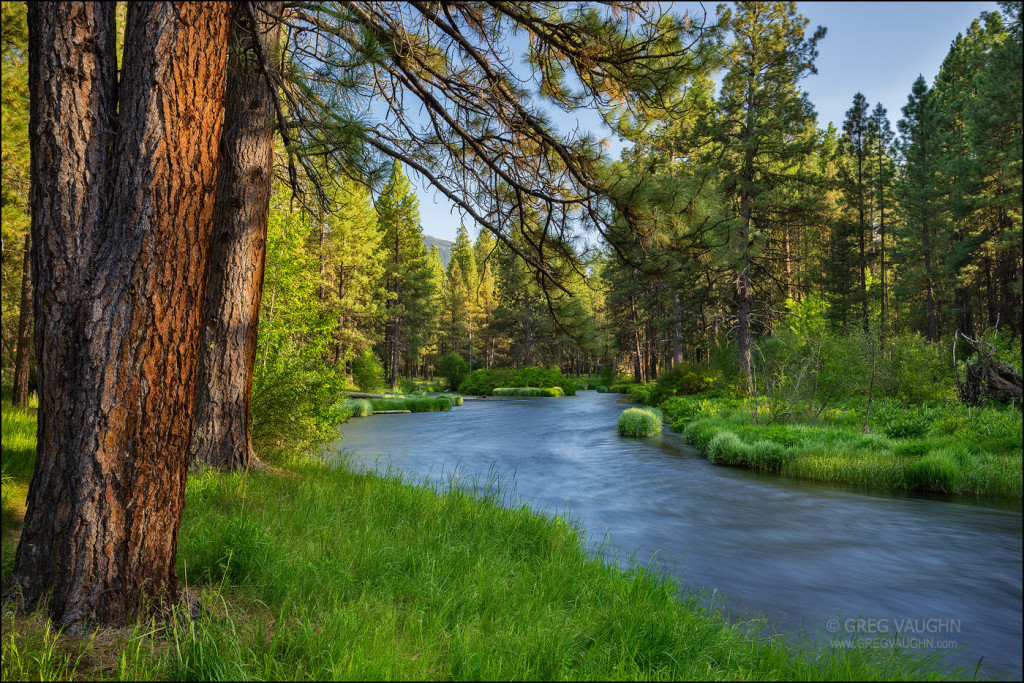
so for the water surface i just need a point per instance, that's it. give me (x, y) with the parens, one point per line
(804, 555)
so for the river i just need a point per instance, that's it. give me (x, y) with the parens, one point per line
(940, 573)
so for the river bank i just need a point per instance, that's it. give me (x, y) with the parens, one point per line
(946, 449)
(314, 572)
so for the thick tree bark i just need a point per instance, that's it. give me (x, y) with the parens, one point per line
(227, 355)
(21, 358)
(122, 202)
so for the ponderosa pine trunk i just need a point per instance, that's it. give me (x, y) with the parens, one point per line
(221, 437)
(122, 203)
(21, 357)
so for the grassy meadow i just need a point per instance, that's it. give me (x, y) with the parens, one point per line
(313, 572)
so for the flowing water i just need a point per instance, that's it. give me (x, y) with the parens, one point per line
(939, 573)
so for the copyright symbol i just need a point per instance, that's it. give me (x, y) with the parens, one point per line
(832, 625)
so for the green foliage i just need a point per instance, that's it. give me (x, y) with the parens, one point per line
(639, 422)
(454, 370)
(601, 389)
(414, 404)
(367, 371)
(937, 471)
(484, 382)
(685, 379)
(965, 450)
(293, 405)
(358, 407)
(285, 596)
(527, 391)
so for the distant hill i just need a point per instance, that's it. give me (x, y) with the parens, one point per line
(444, 247)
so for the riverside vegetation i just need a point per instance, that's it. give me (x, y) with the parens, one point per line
(404, 581)
(829, 412)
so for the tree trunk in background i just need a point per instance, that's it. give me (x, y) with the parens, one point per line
(21, 359)
(743, 298)
(238, 249)
(122, 203)
(677, 330)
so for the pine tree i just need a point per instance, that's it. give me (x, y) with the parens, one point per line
(856, 187)
(884, 171)
(761, 115)
(402, 240)
(916, 194)
(463, 253)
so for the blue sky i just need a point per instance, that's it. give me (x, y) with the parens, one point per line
(877, 48)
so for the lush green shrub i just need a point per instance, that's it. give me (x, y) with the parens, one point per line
(295, 404)
(367, 371)
(639, 422)
(527, 391)
(685, 379)
(453, 369)
(358, 407)
(452, 399)
(641, 393)
(601, 389)
(580, 386)
(607, 376)
(483, 382)
(621, 388)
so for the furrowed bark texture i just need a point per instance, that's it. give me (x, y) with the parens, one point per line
(122, 202)
(227, 356)
(21, 359)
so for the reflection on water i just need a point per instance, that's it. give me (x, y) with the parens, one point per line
(799, 553)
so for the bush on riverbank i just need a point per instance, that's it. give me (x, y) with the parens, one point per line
(420, 584)
(943, 448)
(527, 391)
(601, 389)
(483, 382)
(639, 422)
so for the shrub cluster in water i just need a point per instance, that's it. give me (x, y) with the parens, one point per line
(528, 391)
(484, 382)
(639, 422)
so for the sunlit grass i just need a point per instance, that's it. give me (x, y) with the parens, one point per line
(321, 573)
(414, 404)
(944, 449)
(639, 422)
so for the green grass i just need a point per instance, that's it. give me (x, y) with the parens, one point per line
(320, 573)
(639, 422)
(358, 407)
(414, 404)
(943, 448)
(528, 391)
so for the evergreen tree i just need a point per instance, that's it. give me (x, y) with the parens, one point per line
(761, 113)
(856, 188)
(916, 194)
(405, 263)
